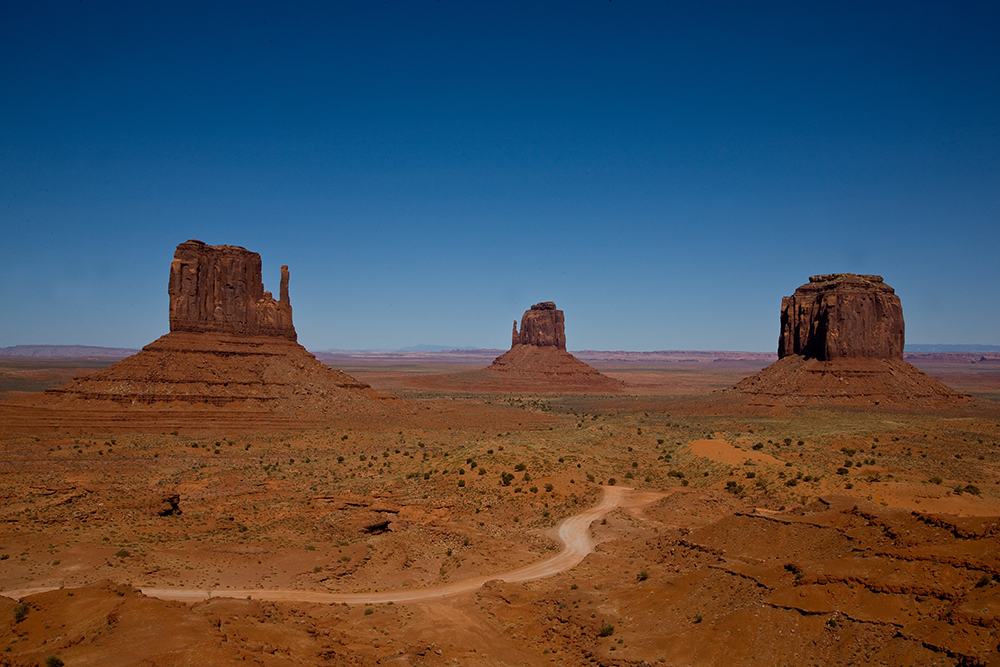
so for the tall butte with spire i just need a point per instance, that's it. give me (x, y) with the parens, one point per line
(841, 343)
(538, 356)
(231, 345)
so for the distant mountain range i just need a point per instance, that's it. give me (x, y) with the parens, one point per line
(78, 351)
(952, 348)
(85, 351)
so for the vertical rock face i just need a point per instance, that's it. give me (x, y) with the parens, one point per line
(842, 315)
(219, 289)
(543, 326)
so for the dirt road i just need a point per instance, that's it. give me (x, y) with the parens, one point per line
(574, 533)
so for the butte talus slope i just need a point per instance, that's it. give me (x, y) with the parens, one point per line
(231, 345)
(538, 355)
(841, 343)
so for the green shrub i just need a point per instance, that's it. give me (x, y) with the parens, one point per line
(606, 630)
(53, 661)
(21, 610)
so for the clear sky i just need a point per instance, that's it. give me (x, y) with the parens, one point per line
(664, 171)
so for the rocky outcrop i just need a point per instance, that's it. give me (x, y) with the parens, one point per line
(841, 343)
(542, 325)
(842, 315)
(219, 289)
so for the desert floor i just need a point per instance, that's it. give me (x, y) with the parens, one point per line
(811, 537)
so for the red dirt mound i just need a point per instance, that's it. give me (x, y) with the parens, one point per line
(861, 381)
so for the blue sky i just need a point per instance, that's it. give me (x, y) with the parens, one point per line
(664, 171)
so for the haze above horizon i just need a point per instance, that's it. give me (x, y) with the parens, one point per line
(664, 172)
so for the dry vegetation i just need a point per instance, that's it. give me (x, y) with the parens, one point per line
(809, 538)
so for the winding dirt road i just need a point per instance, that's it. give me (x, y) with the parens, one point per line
(574, 533)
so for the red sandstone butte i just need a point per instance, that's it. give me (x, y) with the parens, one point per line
(841, 343)
(541, 325)
(842, 315)
(538, 359)
(230, 344)
(219, 289)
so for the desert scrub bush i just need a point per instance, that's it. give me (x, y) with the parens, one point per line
(53, 661)
(520, 467)
(606, 630)
(642, 576)
(123, 553)
(21, 610)
(842, 471)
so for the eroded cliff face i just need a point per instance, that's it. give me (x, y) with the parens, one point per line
(218, 289)
(542, 325)
(842, 315)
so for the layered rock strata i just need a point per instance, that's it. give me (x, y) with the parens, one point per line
(230, 343)
(841, 343)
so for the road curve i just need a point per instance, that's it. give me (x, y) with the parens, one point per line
(574, 533)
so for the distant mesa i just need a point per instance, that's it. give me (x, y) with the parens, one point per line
(841, 343)
(538, 354)
(67, 351)
(230, 344)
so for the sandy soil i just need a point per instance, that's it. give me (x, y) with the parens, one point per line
(813, 537)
